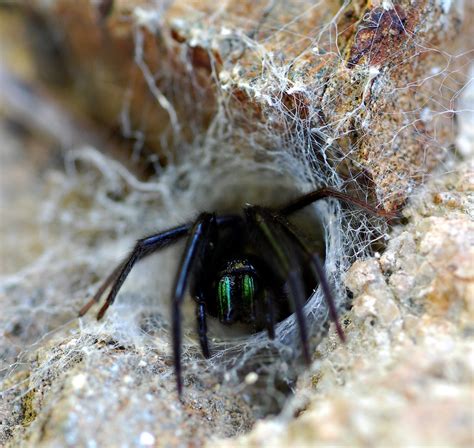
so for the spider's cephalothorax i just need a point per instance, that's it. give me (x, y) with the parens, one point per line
(255, 269)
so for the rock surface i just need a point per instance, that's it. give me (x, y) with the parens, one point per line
(405, 375)
(368, 87)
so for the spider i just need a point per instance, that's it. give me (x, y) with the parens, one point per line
(252, 268)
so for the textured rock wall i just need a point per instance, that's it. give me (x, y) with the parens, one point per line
(402, 378)
(365, 88)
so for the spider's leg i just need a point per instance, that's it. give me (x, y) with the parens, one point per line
(318, 271)
(281, 262)
(143, 247)
(327, 192)
(270, 292)
(96, 298)
(269, 315)
(202, 328)
(197, 240)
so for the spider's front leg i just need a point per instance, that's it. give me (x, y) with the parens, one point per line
(303, 201)
(143, 247)
(196, 245)
(282, 261)
(327, 192)
(266, 306)
(317, 269)
(201, 314)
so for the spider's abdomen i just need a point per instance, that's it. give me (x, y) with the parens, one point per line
(236, 291)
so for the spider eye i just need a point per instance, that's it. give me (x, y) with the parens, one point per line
(235, 297)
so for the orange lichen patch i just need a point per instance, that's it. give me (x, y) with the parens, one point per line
(381, 35)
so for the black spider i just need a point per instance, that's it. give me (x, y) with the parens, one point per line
(253, 269)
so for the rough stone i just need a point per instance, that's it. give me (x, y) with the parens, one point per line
(403, 377)
(376, 91)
